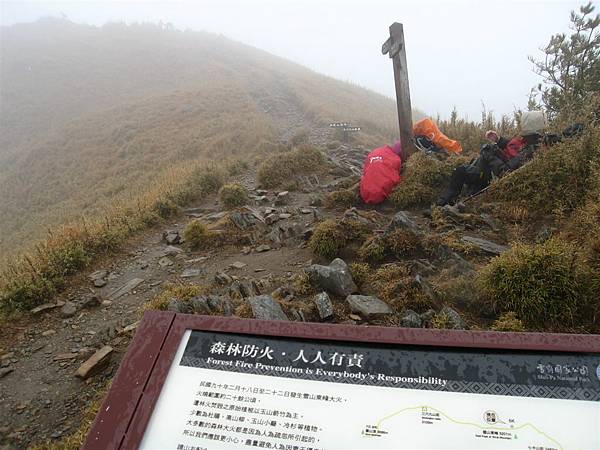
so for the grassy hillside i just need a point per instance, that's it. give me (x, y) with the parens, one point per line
(93, 116)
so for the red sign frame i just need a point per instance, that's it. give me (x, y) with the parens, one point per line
(126, 410)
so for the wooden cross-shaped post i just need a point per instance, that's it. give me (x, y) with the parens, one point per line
(397, 52)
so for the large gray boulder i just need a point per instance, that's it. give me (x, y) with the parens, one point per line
(368, 306)
(265, 307)
(334, 278)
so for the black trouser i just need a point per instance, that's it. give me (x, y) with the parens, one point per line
(469, 175)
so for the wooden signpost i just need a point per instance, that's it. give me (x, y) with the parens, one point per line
(396, 49)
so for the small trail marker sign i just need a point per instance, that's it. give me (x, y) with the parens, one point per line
(346, 129)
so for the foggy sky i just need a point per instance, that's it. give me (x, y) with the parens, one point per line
(460, 53)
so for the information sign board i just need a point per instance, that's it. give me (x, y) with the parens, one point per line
(234, 383)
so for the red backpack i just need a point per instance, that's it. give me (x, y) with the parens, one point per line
(381, 174)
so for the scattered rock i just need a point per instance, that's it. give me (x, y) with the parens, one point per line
(100, 282)
(271, 219)
(426, 317)
(65, 356)
(315, 200)
(238, 265)
(265, 307)
(334, 278)
(223, 279)
(200, 305)
(306, 211)
(411, 320)
(125, 289)
(165, 262)
(172, 237)
(354, 318)
(6, 371)
(91, 302)
(171, 251)
(68, 310)
(98, 275)
(324, 305)
(263, 248)
(284, 216)
(197, 260)
(46, 307)
(190, 273)
(368, 306)
(457, 322)
(425, 286)
(401, 220)
(48, 333)
(130, 327)
(179, 306)
(95, 363)
(485, 245)
(282, 198)
(245, 217)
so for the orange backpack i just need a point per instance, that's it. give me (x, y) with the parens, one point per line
(427, 127)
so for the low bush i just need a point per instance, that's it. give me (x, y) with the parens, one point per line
(557, 179)
(328, 239)
(283, 167)
(397, 245)
(343, 199)
(395, 284)
(300, 136)
(197, 235)
(360, 272)
(423, 179)
(233, 195)
(542, 283)
(508, 322)
(38, 275)
(183, 292)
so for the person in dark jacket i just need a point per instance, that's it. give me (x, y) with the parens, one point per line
(501, 156)
(495, 159)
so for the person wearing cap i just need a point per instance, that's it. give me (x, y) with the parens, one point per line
(498, 157)
(381, 173)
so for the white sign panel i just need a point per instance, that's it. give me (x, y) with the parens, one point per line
(227, 391)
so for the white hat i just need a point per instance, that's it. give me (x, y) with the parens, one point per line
(532, 122)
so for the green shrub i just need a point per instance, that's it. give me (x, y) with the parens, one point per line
(556, 179)
(328, 239)
(233, 195)
(508, 322)
(300, 136)
(182, 291)
(394, 283)
(374, 249)
(283, 167)
(423, 179)
(542, 284)
(361, 272)
(165, 208)
(196, 235)
(344, 198)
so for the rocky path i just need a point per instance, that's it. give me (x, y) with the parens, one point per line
(44, 383)
(40, 395)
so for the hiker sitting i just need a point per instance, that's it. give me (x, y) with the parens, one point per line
(381, 173)
(497, 158)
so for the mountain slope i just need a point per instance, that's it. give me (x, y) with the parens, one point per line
(94, 116)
